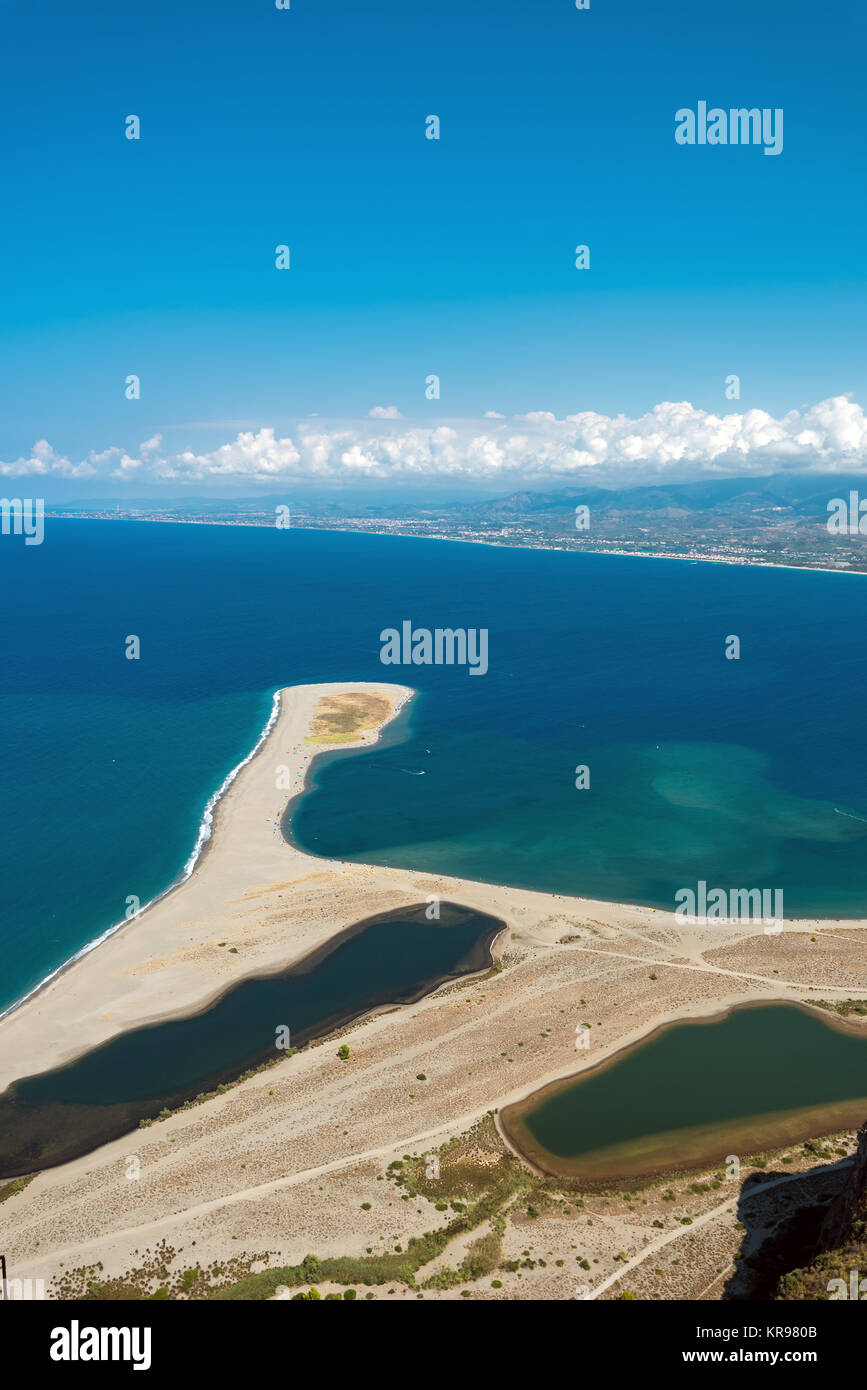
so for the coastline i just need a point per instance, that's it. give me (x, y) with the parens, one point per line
(743, 563)
(69, 1123)
(320, 1131)
(218, 806)
(241, 857)
(203, 838)
(295, 1159)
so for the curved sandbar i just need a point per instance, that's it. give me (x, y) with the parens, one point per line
(693, 1093)
(287, 1160)
(393, 958)
(256, 904)
(171, 958)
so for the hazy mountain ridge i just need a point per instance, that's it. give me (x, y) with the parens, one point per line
(779, 518)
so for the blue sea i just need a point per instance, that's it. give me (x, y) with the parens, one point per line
(748, 773)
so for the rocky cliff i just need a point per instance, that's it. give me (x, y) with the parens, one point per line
(841, 1248)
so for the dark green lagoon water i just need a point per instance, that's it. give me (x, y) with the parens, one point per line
(742, 773)
(697, 1092)
(389, 959)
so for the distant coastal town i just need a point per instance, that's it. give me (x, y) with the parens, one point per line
(776, 520)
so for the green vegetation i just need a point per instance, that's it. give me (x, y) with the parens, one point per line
(344, 717)
(848, 1252)
(477, 1185)
(9, 1189)
(844, 1007)
(220, 1090)
(483, 1257)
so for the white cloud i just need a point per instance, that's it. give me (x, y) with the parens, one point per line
(258, 456)
(45, 462)
(674, 440)
(385, 412)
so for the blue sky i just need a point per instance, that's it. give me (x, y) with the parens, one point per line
(412, 256)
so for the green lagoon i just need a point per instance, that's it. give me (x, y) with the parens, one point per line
(694, 1093)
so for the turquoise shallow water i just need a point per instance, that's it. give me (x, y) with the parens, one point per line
(700, 768)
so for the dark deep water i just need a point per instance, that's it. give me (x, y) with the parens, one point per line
(392, 958)
(746, 774)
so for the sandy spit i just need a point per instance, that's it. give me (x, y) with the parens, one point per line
(284, 1161)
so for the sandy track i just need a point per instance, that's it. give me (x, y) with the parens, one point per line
(315, 1125)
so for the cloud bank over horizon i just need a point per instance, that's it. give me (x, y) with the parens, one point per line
(675, 441)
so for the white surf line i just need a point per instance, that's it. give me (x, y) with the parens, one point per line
(698, 1221)
(850, 815)
(367, 738)
(204, 834)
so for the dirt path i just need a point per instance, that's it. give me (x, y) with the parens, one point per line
(715, 970)
(697, 1222)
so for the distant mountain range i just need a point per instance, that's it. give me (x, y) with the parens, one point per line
(780, 518)
(803, 495)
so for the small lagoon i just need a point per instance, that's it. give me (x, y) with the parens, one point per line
(695, 1092)
(390, 959)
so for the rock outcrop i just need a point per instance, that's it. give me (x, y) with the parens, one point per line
(841, 1249)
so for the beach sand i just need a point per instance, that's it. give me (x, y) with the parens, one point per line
(283, 1162)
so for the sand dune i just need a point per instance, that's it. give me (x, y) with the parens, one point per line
(283, 1162)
